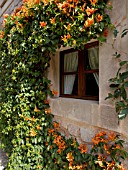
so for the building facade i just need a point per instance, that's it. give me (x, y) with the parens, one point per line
(82, 117)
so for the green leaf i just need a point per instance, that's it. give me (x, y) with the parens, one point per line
(101, 39)
(109, 96)
(123, 63)
(124, 32)
(117, 93)
(123, 113)
(124, 75)
(117, 55)
(126, 84)
(115, 32)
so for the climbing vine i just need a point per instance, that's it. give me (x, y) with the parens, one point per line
(119, 83)
(27, 131)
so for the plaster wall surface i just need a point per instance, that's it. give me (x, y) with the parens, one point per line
(82, 118)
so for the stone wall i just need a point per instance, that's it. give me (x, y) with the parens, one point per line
(82, 118)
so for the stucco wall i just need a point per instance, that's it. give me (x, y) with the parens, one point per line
(82, 118)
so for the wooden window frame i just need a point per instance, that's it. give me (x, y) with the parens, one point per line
(81, 77)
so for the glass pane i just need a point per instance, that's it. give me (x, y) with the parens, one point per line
(92, 59)
(91, 85)
(71, 62)
(71, 84)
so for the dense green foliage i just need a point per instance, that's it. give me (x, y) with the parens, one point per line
(29, 136)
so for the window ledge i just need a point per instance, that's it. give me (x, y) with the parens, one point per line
(76, 109)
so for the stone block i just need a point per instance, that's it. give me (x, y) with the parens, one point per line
(87, 134)
(108, 118)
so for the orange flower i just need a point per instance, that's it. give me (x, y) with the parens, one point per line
(106, 148)
(54, 92)
(46, 101)
(33, 119)
(16, 22)
(112, 136)
(99, 18)
(56, 125)
(68, 36)
(68, 27)
(117, 146)
(47, 111)
(46, 143)
(1, 34)
(83, 148)
(43, 24)
(90, 11)
(38, 127)
(37, 1)
(32, 133)
(27, 118)
(51, 131)
(36, 109)
(4, 22)
(93, 2)
(64, 38)
(105, 33)
(89, 22)
(70, 157)
(101, 133)
(6, 15)
(45, 2)
(53, 21)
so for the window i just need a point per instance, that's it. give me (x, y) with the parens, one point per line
(79, 72)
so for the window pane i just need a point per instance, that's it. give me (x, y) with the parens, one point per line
(71, 62)
(92, 59)
(91, 85)
(71, 84)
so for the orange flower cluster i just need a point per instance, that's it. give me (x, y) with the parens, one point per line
(109, 165)
(66, 37)
(56, 125)
(99, 17)
(46, 101)
(68, 6)
(51, 131)
(6, 16)
(54, 92)
(100, 137)
(47, 111)
(70, 158)
(112, 136)
(83, 148)
(93, 2)
(1, 34)
(90, 11)
(89, 22)
(59, 142)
